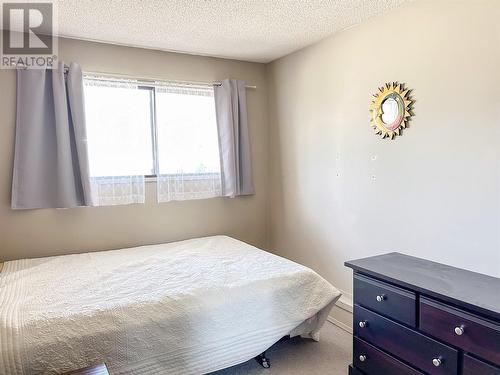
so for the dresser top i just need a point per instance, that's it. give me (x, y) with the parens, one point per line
(471, 290)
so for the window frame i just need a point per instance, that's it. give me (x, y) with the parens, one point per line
(154, 131)
(152, 88)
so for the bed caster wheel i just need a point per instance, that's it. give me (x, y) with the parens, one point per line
(263, 360)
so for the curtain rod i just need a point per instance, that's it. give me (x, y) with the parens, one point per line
(154, 79)
(149, 79)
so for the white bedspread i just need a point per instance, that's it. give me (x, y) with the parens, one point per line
(188, 307)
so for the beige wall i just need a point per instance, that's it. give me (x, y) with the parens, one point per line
(435, 192)
(47, 232)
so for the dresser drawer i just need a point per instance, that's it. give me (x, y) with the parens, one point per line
(473, 366)
(466, 331)
(354, 371)
(374, 361)
(393, 302)
(404, 343)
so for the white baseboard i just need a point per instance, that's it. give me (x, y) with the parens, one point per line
(345, 302)
(339, 324)
(341, 314)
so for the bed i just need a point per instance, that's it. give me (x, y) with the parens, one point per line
(189, 307)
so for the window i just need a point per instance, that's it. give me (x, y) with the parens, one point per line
(118, 118)
(156, 130)
(188, 148)
(187, 134)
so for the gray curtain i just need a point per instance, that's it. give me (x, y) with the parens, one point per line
(234, 145)
(51, 168)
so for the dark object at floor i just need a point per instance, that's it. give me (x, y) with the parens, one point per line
(263, 360)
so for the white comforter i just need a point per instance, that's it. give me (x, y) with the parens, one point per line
(188, 307)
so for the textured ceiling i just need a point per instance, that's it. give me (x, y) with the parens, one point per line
(252, 30)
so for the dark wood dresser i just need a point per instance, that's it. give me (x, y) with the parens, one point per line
(414, 317)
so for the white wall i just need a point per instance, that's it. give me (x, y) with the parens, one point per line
(436, 188)
(38, 233)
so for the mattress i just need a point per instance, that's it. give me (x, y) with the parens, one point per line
(188, 307)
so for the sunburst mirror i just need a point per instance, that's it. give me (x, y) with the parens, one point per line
(391, 110)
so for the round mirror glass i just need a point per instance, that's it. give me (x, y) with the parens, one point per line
(390, 110)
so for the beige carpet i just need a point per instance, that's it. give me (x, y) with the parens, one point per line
(297, 356)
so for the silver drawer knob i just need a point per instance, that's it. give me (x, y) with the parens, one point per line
(380, 298)
(363, 323)
(436, 362)
(459, 331)
(362, 358)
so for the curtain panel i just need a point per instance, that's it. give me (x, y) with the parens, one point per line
(117, 190)
(51, 168)
(234, 144)
(182, 186)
